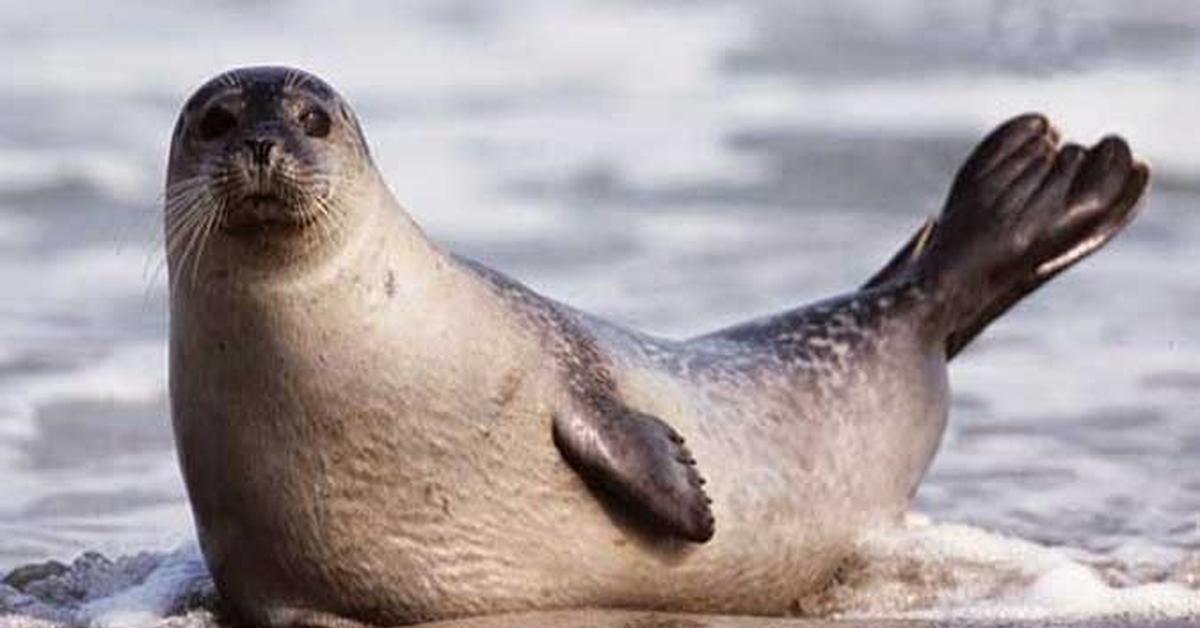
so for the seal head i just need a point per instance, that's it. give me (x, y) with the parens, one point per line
(260, 153)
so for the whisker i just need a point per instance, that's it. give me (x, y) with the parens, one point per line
(186, 235)
(196, 208)
(322, 218)
(214, 218)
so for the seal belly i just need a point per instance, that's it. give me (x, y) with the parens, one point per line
(449, 472)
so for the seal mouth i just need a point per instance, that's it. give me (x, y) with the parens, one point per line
(261, 199)
(264, 212)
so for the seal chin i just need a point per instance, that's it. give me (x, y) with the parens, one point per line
(265, 213)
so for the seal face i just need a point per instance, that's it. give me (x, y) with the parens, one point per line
(372, 429)
(260, 151)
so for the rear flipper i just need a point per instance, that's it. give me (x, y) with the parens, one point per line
(1021, 210)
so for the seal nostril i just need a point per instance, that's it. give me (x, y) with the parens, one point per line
(260, 150)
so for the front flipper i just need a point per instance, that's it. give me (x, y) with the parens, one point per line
(640, 460)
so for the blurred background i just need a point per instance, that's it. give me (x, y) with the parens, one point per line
(672, 165)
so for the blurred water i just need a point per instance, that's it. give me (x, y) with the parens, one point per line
(674, 166)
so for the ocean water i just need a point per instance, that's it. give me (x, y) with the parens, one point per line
(675, 167)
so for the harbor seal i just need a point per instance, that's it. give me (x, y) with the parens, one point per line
(374, 430)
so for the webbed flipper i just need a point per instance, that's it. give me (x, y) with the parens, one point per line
(1022, 209)
(641, 461)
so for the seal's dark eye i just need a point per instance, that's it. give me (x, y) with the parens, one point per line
(216, 122)
(315, 122)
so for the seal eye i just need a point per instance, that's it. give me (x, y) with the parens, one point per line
(315, 122)
(216, 122)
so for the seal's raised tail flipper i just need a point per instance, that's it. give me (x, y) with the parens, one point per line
(641, 461)
(1021, 210)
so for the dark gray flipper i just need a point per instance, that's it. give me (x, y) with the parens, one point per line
(640, 460)
(1021, 210)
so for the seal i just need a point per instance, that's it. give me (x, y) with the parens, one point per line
(374, 430)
